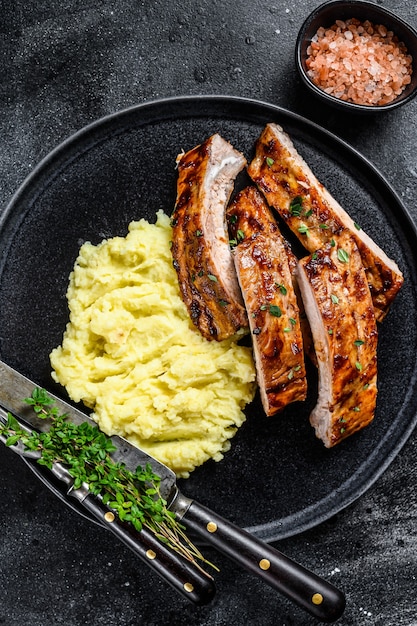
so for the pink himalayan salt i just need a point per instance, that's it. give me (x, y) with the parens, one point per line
(359, 62)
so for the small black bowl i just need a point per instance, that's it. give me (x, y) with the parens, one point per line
(325, 15)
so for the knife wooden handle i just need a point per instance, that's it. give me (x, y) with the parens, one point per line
(181, 574)
(321, 599)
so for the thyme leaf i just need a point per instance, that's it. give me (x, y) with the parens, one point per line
(282, 288)
(275, 311)
(342, 255)
(296, 206)
(304, 230)
(292, 371)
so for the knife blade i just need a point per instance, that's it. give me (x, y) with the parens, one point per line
(191, 582)
(308, 590)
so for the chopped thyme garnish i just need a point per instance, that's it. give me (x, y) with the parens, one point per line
(292, 371)
(292, 322)
(282, 288)
(269, 161)
(342, 255)
(334, 298)
(303, 229)
(296, 206)
(275, 310)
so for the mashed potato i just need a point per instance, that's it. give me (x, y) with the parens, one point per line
(131, 353)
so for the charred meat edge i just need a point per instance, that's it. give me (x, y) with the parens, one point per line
(265, 279)
(292, 189)
(200, 246)
(342, 320)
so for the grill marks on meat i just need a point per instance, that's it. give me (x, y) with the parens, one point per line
(332, 298)
(292, 189)
(262, 265)
(338, 302)
(200, 249)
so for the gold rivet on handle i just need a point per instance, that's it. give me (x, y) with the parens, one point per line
(109, 517)
(211, 527)
(188, 587)
(264, 564)
(150, 554)
(317, 598)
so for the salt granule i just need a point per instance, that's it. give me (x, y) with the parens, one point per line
(359, 62)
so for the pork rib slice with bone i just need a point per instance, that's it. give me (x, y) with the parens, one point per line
(339, 306)
(264, 275)
(292, 189)
(200, 247)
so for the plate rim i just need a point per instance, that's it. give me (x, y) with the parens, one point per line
(361, 481)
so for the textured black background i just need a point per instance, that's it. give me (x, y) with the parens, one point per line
(64, 65)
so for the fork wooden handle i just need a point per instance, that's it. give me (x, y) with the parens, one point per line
(314, 594)
(182, 575)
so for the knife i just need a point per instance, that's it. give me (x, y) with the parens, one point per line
(311, 592)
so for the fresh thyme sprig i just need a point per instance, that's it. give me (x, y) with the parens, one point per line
(86, 453)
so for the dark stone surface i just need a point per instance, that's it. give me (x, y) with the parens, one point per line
(63, 65)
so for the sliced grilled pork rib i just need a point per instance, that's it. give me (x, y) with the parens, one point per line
(339, 306)
(313, 214)
(255, 216)
(261, 260)
(200, 247)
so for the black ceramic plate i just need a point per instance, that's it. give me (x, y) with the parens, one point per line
(277, 479)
